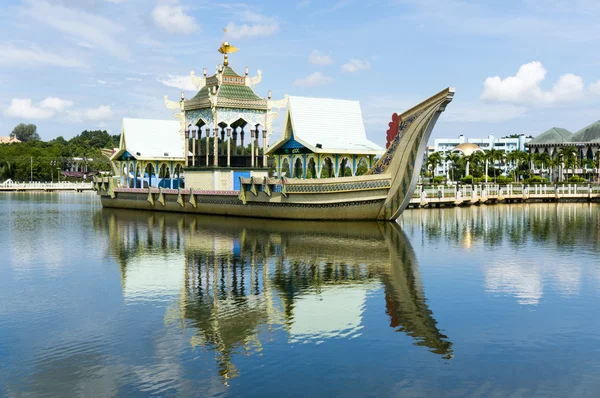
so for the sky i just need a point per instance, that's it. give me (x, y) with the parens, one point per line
(520, 66)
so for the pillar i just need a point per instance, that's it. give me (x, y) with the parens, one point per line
(242, 141)
(235, 141)
(193, 148)
(228, 146)
(207, 130)
(223, 141)
(186, 147)
(216, 145)
(252, 147)
(264, 135)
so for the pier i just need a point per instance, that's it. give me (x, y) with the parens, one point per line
(46, 186)
(466, 195)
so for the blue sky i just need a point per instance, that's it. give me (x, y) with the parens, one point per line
(518, 66)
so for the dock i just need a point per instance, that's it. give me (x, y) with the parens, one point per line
(46, 187)
(467, 195)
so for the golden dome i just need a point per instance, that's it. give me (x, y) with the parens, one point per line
(467, 148)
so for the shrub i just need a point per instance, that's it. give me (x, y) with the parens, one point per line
(438, 179)
(466, 179)
(576, 179)
(501, 180)
(537, 180)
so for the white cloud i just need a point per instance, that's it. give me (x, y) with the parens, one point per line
(56, 104)
(92, 29)
(318, 58)
(303, 4)
(258, 25)
(595, 87)
(34, 57)
(180, 82)
(313, 80)
(171, 17)
(524, 88)
(355, 65)
(24, 108)
(100, 113)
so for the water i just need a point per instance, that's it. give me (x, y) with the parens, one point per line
(482, 301)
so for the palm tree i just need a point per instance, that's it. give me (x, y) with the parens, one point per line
(477, 159)
(454, 160)
(492, 156)
(540, 160)
(514, 158)
(587, 163)
(569, 157)
(434, 160)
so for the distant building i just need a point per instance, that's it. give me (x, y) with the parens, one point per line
(8, 140)
(586, 141)
(506, 144)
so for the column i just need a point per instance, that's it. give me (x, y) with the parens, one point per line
(207, 130)
(228, 146)
(193, 148)
(222, 140)
(235, 141)
(216, 145)
(264, 134)
(242, 141)
(252, 147)
(186, 146)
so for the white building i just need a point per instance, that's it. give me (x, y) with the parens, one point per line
(506, 144)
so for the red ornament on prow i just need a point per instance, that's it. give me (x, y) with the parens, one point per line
(393, 130)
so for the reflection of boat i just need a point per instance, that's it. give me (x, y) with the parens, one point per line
(242, 280)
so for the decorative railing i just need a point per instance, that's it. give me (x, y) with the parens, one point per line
(235, 161)
(45, 185)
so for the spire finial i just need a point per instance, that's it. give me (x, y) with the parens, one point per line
(226, 49)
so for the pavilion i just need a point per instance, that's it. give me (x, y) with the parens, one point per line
(323, 137)
(150, 153)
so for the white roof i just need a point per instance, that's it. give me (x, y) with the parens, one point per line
(152, 138)
(335, 124)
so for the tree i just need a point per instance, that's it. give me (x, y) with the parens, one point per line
(493, 156)
(569, 157)
(454, 163)
(434, 160)
(25, 132)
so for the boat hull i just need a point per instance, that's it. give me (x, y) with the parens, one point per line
(348, 206)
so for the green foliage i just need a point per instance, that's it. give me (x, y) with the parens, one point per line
(25, 132)
(47, 159)
(439, 179)
(576, 179)
(501, 179)
(467, 179)
(536, 180)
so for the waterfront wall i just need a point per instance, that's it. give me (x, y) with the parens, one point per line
(465, 195)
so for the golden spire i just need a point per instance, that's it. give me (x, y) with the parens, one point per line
(226, 49)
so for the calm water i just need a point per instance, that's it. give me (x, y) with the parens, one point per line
(489, 301)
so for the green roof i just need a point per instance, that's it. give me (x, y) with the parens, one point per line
(228, 70)
(552, 136)
(590, 133)
(236, 92)
(203, 93)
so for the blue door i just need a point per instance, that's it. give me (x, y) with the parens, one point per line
(236, 178)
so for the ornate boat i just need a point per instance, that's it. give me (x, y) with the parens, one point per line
(380, 194)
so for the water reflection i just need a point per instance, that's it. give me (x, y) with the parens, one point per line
(239, 282)
(548, 232)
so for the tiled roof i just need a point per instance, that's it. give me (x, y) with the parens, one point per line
(589, 133)
(554, 135)
(336, 125)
